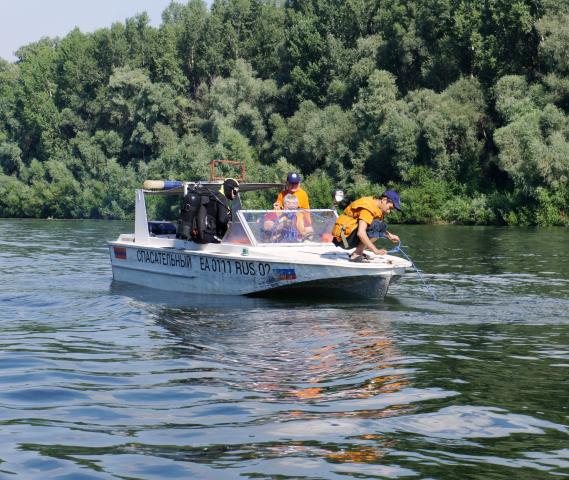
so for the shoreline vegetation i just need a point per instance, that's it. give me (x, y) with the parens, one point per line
(460, 106)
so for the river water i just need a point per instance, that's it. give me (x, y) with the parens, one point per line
(101, 380)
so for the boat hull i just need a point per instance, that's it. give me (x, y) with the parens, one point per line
(347, 287)
(213, 273)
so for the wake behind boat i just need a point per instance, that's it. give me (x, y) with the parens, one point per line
(251, 258)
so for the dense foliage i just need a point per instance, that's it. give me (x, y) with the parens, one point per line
(463, 106)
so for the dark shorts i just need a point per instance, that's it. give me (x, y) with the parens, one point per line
(375, 230)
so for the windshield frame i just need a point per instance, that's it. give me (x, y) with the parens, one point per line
(253, 239)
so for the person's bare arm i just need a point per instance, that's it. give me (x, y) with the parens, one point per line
(362, 235)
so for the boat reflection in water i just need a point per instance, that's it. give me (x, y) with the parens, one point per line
(288, 368)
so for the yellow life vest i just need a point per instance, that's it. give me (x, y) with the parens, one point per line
(364, 208)
(344, 224)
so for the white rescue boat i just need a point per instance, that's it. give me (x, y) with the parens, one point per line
(249, 260)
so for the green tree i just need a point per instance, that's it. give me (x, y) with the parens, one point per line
(450, 140)
(166, 64)
(10, 156)
(76, 72)
(36, 96)
(320, 138)
(305, 63)
(110, 49)
(140, 38)
(534, 149)
(243, 102)
(9, 77)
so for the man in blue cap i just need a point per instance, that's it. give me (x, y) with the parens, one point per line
(362, 223)
(293, 180)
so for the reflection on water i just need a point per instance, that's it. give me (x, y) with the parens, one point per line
(105, 380)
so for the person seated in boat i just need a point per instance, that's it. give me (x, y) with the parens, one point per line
(206, 214)
(362, 224)
(293, 187)
(286, 227)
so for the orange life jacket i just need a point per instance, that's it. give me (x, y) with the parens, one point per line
(346, 223)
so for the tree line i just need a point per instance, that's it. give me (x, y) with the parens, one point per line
(460, 105)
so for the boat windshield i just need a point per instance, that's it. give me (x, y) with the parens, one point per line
(285, 227)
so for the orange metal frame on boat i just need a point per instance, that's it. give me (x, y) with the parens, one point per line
(237, 165)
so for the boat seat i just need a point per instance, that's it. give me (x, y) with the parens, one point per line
(161, 228)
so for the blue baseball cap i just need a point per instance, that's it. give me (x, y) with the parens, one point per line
(293, 177)
(392, 195)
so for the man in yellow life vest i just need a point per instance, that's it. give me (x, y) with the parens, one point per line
(362, 221)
